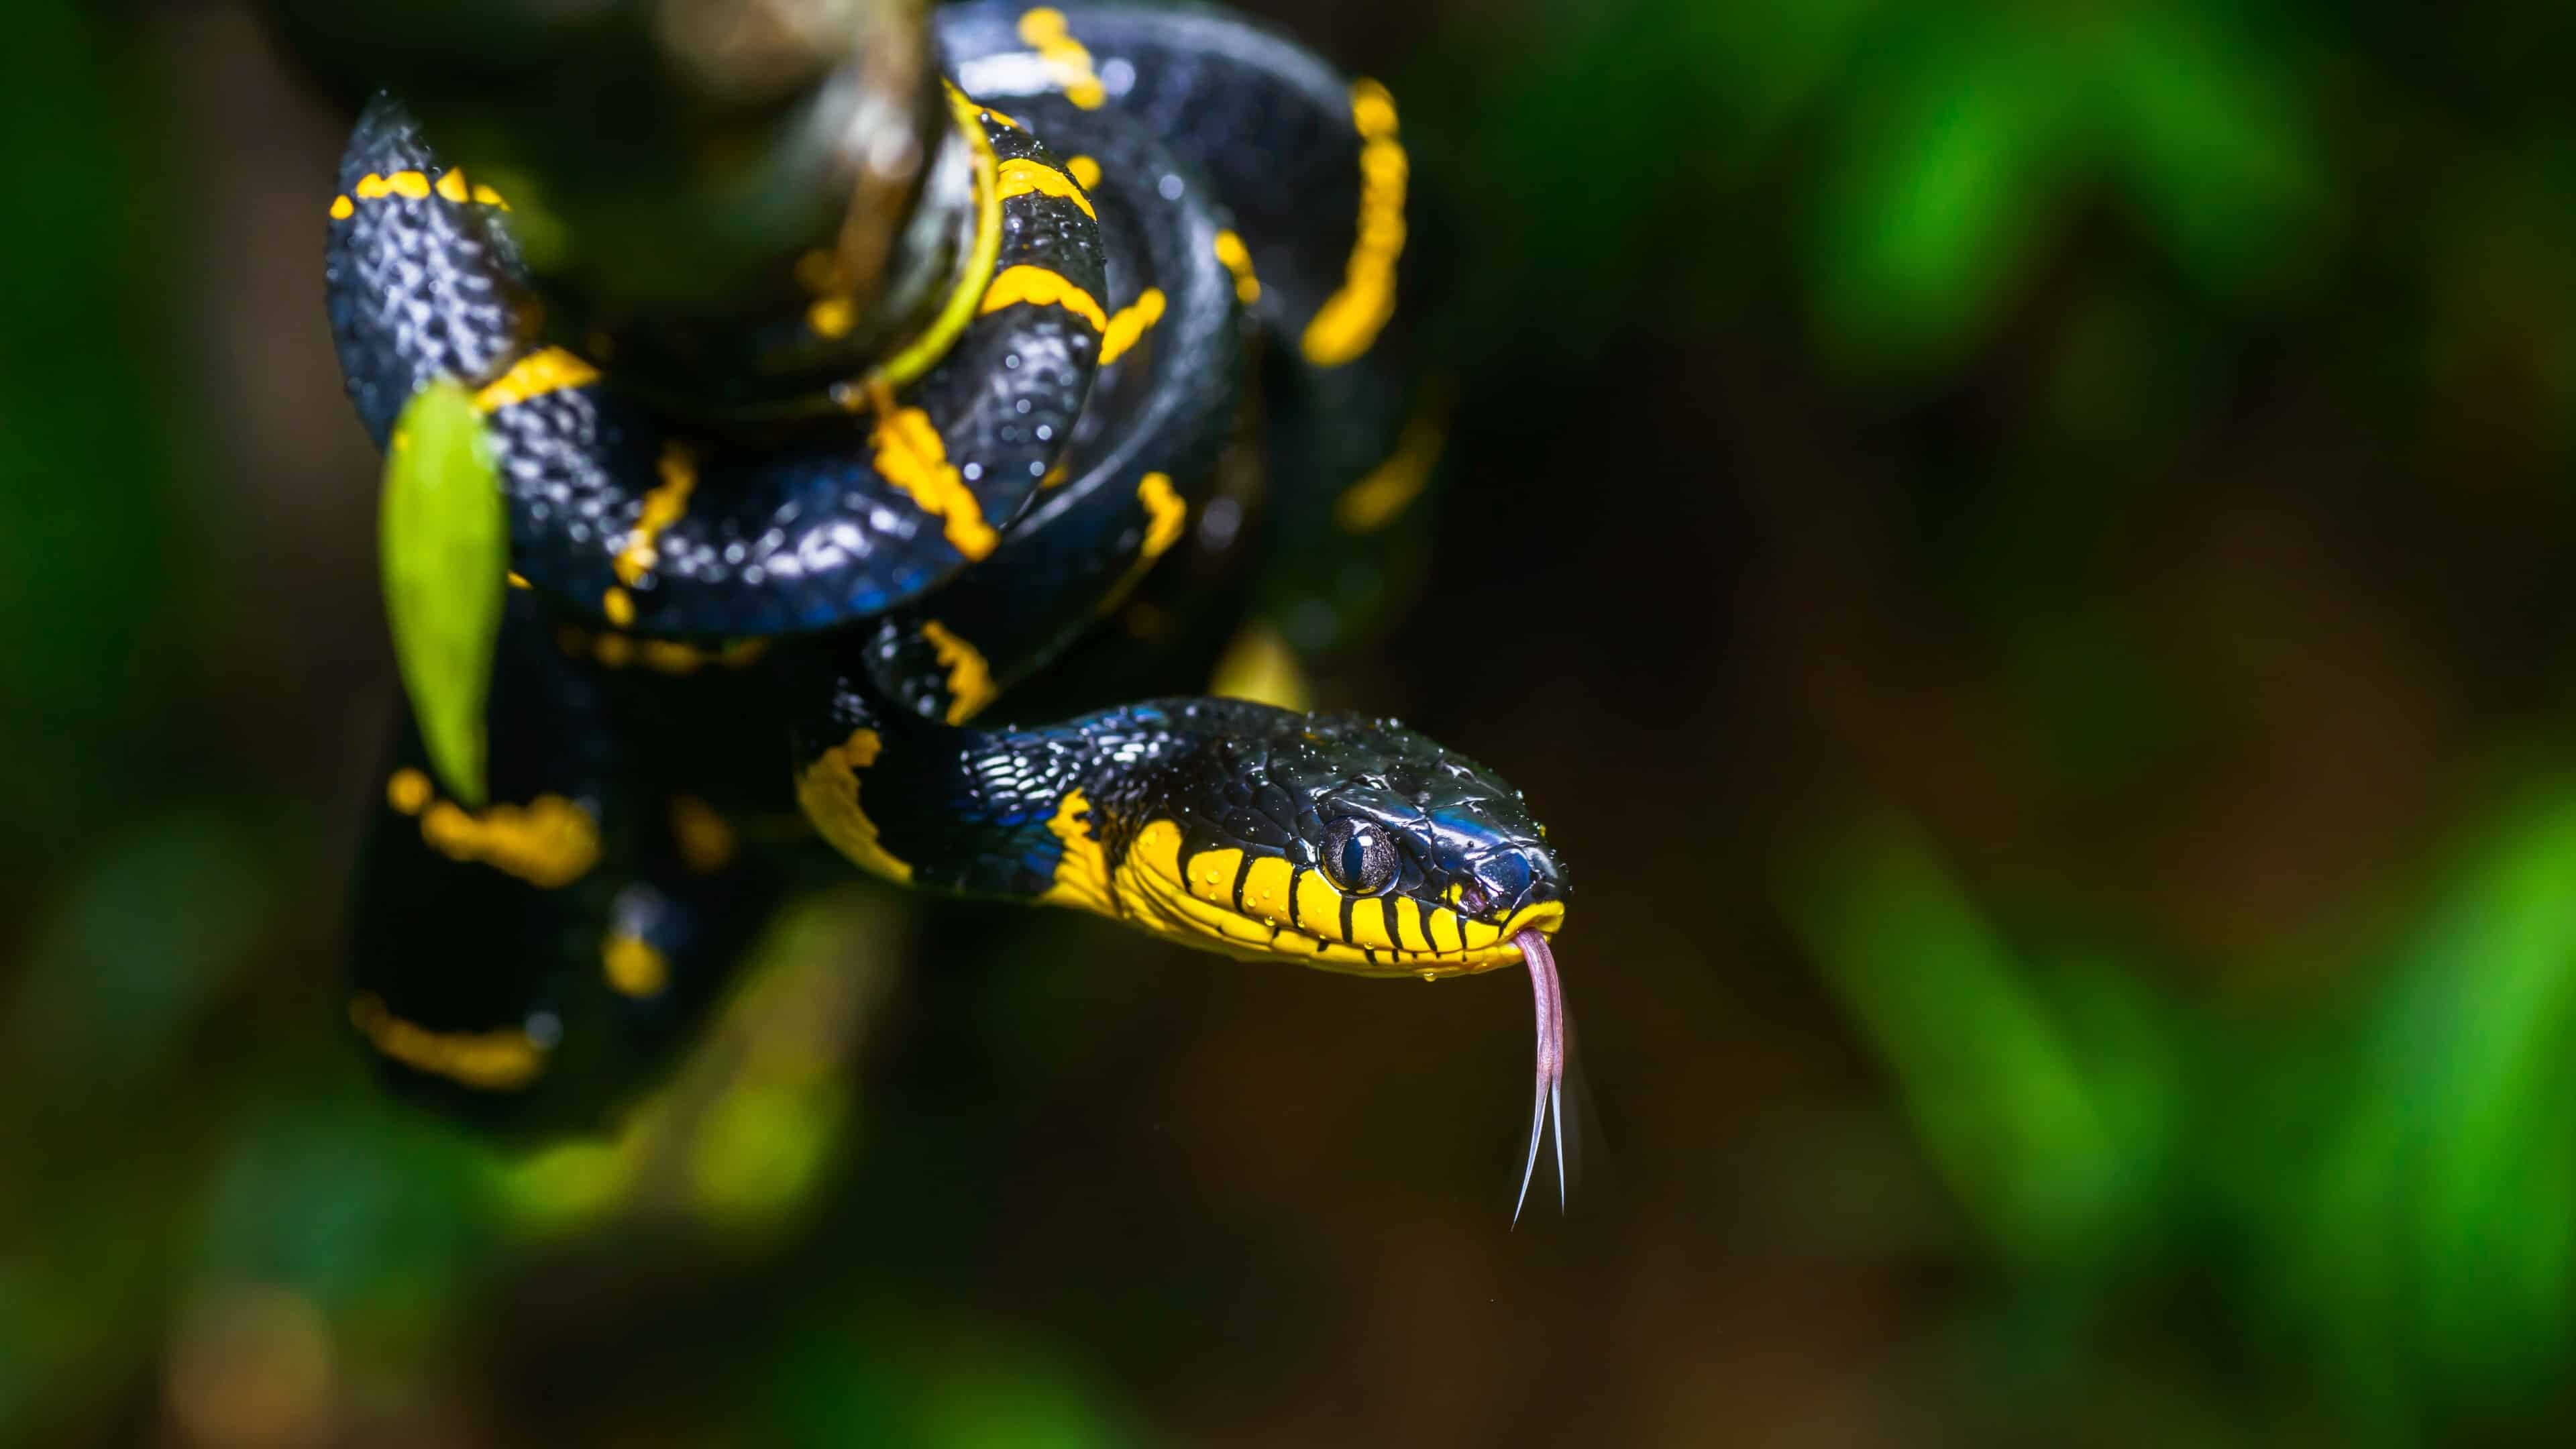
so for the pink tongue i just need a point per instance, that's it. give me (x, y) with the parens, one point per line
(1550, 1001)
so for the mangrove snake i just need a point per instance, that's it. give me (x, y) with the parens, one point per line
(1175, 239)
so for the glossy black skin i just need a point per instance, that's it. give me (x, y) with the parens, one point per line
(969, 807)
(1265, 120)
(416, 287)
(1165, 407)
(459, 947)
(1268, 122)
(790, 528)
(1258, 136)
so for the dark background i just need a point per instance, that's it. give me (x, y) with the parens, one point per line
(2022, 550)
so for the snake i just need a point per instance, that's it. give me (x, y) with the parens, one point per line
(1167, 377)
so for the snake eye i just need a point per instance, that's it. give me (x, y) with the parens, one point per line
(1358, 856)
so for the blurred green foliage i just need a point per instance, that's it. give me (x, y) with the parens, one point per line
(2144, 433)
(1938, 153)
(91, 534)
(2384, 1197)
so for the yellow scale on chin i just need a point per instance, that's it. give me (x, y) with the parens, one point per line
(1151, 892)
(1298, 915)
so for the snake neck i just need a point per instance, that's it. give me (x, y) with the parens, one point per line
(1039, 814)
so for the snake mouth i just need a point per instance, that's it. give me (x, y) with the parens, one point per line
(1259, 935)
(1524, 930)
(1329, 951)
(1536, 921)
(1268, 908)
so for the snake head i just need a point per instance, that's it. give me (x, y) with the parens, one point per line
(1440, 844)
(1342, 842)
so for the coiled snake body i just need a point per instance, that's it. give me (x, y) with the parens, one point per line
(1184, 247)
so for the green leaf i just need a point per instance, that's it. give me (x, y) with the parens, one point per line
(446, 546)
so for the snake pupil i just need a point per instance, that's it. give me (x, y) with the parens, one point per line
(1358, 857)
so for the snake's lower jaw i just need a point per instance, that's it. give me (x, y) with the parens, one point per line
(444, 542)
(1537, 921)
(1540, 921)
(1534, 922)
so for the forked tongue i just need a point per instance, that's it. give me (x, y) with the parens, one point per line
(1550, 1002)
